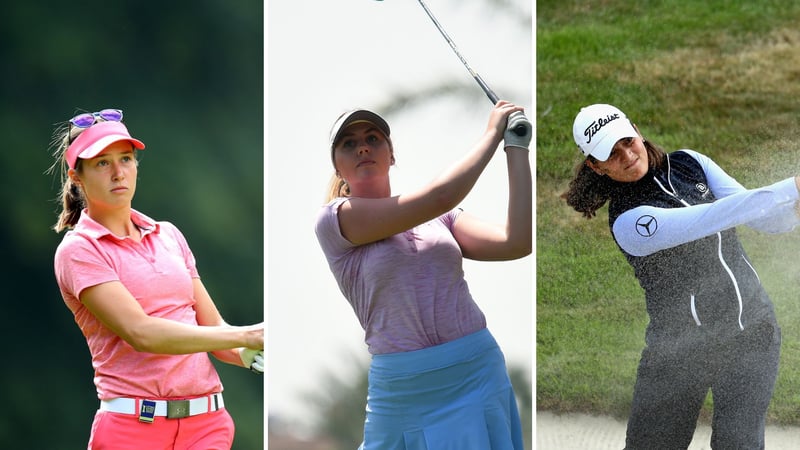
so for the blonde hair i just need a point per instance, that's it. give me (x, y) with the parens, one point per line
(337, 187)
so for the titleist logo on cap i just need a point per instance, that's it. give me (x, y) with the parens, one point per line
(595, 126)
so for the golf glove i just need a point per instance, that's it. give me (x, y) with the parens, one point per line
(253, 359)
(511, 138)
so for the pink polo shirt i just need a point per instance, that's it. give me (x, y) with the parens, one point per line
(158, 272)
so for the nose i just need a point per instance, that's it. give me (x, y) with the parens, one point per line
(627, 153)
(116, 171)
(363, 147)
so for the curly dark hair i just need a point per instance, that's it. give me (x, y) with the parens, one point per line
(588, 191)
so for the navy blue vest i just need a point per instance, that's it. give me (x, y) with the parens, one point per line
(688, 288)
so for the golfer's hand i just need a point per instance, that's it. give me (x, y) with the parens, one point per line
(516, 122)
(253, 359)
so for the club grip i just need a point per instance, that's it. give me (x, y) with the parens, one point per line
(522, 124)
(519, 130)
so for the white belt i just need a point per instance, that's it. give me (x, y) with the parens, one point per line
(173, 409)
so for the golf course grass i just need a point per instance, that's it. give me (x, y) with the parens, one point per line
(721, 77)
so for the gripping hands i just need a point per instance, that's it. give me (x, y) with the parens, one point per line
(519, 131)
(253, 359)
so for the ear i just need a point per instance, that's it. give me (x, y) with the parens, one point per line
(73, 176)
(597, 169)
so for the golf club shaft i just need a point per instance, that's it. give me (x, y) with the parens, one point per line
(519, 130)
(489, 92)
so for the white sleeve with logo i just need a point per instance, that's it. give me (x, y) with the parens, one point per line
(647, 229)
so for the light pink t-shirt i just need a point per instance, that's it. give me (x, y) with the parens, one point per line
(408, 291)
(158, 272)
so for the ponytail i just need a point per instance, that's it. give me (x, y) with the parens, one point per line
(72, 203)
(337, 187)
(71, 196)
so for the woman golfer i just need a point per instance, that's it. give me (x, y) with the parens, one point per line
(438, 378)
(712, 325)
(133, 287)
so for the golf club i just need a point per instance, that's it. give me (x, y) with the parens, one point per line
(520, 129)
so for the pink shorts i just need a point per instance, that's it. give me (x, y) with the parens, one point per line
(114, 431)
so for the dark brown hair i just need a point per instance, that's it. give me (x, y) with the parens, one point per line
(71, 196)
(588, 191)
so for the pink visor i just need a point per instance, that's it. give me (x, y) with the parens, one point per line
(93, 140)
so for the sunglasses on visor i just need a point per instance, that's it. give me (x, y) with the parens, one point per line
(86, 120)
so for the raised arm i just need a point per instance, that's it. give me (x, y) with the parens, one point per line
(365, 220)
(498, 242)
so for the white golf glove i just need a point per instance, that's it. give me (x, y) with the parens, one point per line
(253, 359)
(511, 138)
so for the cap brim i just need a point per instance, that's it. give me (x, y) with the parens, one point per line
(622, 129)
(99, 145)
(353, 117)
(93, 140)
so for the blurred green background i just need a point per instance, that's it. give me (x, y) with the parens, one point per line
(189, 77)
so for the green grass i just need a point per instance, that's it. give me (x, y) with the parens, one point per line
(719, 77)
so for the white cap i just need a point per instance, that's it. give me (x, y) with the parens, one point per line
(597, 128)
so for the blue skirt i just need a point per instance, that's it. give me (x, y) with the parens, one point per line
(455, 396)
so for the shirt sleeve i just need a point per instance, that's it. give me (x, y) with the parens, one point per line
(80, 264)
(647, 229)
(449, 218)
(780, 218)
(328, 232)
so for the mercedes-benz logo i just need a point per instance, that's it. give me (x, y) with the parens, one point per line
(646, 226)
